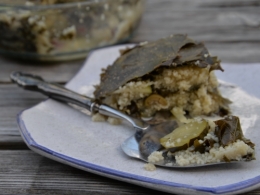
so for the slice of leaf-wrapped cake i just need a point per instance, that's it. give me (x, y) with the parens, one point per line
(174, 74)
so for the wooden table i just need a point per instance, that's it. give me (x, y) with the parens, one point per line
(229, 28)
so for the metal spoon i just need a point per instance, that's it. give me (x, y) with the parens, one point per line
(140, 145)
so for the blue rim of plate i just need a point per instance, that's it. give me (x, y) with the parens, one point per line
(239, 187)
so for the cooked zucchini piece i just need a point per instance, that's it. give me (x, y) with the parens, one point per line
(185, 135)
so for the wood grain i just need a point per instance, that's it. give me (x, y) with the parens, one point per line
(203, 20)
(12, 101)
(24, 172)
(52, 71)
(229, 28)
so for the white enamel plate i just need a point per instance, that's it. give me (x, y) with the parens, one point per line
(64, 134)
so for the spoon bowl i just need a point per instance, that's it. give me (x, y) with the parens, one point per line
(143, 143)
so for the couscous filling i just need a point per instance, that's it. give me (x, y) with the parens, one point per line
(193, 90)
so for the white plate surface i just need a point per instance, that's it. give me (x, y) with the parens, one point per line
(62, 133)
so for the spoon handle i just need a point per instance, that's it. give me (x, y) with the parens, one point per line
(60, 93)
(52, 90)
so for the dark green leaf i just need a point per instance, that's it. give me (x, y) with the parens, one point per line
(143, 59)
(229, 130)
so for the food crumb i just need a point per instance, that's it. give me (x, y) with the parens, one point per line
(98, 118)
(155, 157)
(143, 43)
(69, 33)
(149, 167)
(114, 121)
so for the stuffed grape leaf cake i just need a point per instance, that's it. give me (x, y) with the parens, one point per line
(174, 74)
(173, 78)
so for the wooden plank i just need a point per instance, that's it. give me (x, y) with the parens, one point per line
(230, 29)
(55, 72)
(11, 95)
(229, 3)
(25, 172)
(13, 100)
(12, 142)
(200, 20)
(241, 52)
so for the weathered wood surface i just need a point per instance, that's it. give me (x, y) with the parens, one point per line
(12, 101)
(229, 28)
(25, 172)
(52, 71)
